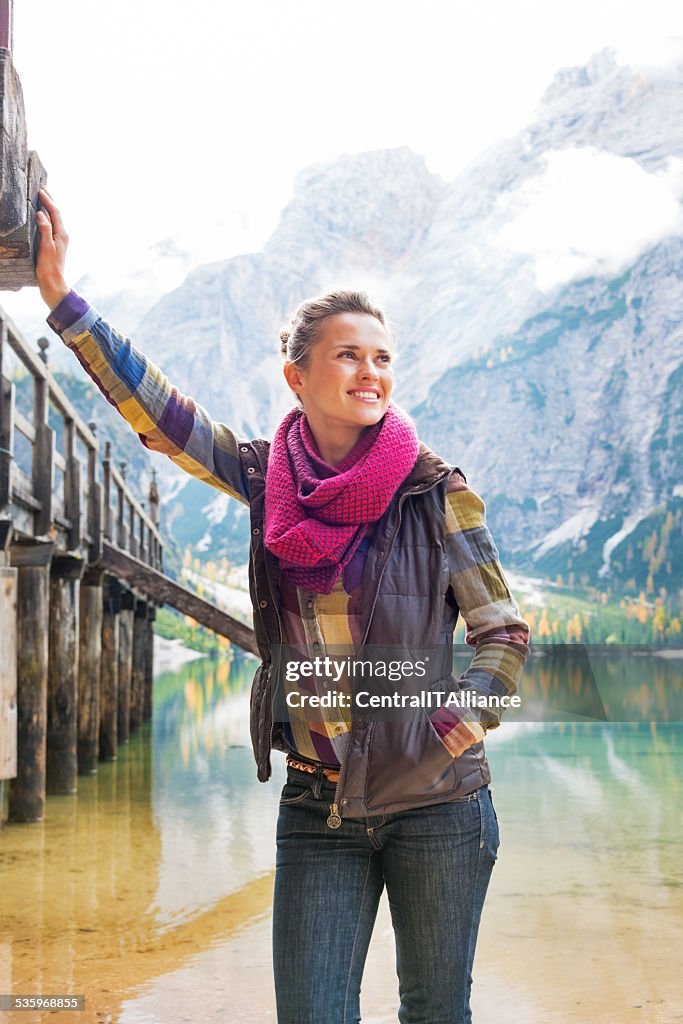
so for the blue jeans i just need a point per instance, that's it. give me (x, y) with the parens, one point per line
(436, 863)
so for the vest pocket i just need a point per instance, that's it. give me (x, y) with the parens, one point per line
(260, 718)
(407, 760)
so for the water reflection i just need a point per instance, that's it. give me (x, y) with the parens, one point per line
(604, 682)
(150, 891)
(163, 853)
(590, 880)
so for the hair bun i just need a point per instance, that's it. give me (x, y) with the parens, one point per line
(285, 335)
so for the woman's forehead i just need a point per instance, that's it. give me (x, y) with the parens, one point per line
(359, 329)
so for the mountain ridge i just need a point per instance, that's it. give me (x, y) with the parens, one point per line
(534, 300)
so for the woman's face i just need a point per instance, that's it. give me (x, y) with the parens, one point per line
(348, 381)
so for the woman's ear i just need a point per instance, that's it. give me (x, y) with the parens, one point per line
(293, 376)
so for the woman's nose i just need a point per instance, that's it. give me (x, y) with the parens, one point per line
(367, 368)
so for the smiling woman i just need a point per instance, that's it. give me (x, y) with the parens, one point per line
(344, 376)
(364, 542)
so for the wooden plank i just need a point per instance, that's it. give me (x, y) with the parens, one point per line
(72, 502)
(163, 590)
(8, 672)
(128, 499)
(22, 521)
(43, 476)
(24, 426)
(22, 494)
(21, 348)
(94, 539)
(68, 411)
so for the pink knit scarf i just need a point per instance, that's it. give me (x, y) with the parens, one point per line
(316, 514)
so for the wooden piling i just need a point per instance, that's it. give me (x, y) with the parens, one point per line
(125, 663)
(27, 790)
(109, 674)
(140, 635)
(66, 572)
(89, 659)
(149, 664)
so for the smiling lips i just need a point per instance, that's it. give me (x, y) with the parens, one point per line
(366, 396)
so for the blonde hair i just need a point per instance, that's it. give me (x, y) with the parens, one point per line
(297, 339)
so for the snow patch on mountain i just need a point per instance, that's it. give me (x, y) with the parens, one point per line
(572, 529)
(630, 523)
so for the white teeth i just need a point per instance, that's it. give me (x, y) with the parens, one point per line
(364, 394)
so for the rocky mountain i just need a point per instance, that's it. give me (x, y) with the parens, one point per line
(536, 308)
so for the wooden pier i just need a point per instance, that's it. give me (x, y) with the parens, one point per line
(81, 575)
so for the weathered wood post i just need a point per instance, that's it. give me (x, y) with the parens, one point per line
(149, 664)
(21, 172)
(109, 673)
(8, 667)
(7, 400)
(27, 790)
(137, 694)
(62, 679)
(154, 499)
(89, 660)
(125, 663)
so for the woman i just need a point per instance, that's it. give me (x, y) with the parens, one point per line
(364, 542)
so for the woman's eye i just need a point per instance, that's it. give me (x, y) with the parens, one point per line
(383, 358)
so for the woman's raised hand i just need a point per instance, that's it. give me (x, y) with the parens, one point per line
(51, 252)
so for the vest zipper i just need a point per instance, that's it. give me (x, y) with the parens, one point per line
(276, 609)
(334, 819)
(280, 634)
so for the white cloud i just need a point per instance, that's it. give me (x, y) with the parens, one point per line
(152, 121)
(590, 212)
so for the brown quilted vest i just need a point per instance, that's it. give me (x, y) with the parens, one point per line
(391, 764)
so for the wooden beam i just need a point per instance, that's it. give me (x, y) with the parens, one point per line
(163, 590)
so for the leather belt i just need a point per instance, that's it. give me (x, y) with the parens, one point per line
(301, 766)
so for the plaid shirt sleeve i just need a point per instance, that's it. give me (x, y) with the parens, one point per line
(494, 625)
(164, 420)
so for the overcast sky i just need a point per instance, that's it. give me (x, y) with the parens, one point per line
(156, 117)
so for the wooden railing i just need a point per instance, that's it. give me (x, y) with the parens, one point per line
(80, 579)
(53, 483)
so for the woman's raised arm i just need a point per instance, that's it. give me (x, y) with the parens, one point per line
(165, 420)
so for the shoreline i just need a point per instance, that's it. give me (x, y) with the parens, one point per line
(171, 655)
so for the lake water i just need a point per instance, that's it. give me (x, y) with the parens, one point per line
(150, 892)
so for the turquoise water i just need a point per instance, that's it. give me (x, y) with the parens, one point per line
(150, 891)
